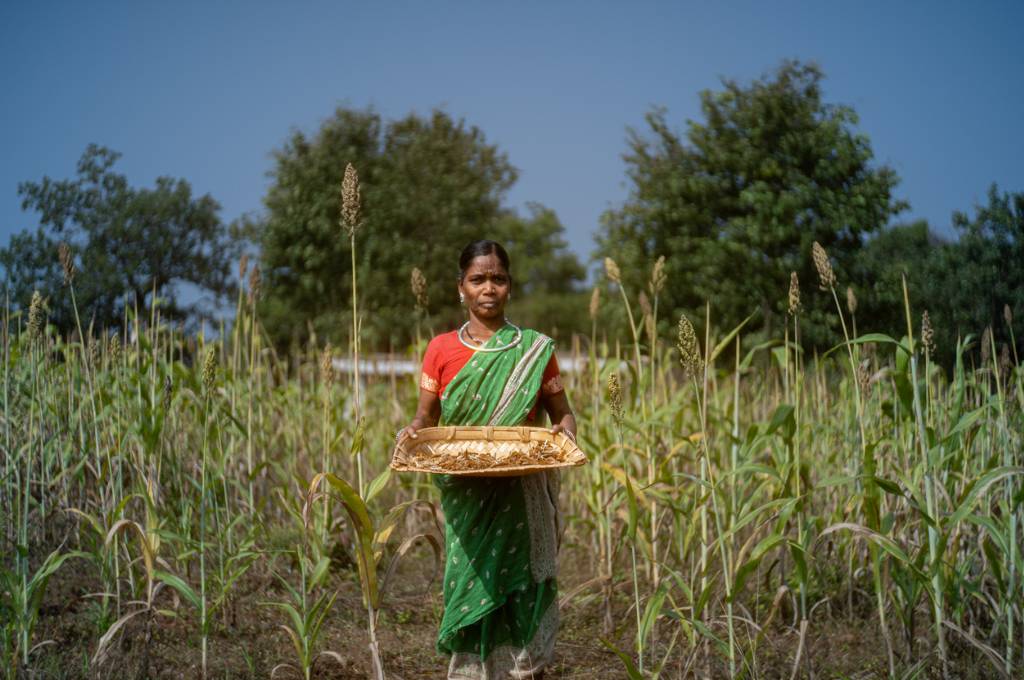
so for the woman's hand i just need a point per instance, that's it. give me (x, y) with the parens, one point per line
(557, 406)
(566, 425)
(410, 429)
(427, 414)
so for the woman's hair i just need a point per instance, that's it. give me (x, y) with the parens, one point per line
(481, 248)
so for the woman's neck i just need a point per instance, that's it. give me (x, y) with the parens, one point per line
(482, 329)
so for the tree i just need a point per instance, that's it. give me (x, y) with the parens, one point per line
(429, 186)
(545, 274)
(982, 270)
(127, 244)
(910, 251)
(736, 204)
(965, 284)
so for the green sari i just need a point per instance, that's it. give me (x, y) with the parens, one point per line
(501, 614)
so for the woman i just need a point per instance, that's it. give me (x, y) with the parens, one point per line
(501, 610)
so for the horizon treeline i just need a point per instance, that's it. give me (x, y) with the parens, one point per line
(732, 201)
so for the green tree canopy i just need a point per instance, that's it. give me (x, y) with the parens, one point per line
(737, 202)
(545, 273)
(879, 267)
(966, 284)
(429, 186)
(983, 275)
(127, 243)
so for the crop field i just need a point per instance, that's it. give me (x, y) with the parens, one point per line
(179, 506)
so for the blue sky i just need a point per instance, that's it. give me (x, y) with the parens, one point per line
(206, 90)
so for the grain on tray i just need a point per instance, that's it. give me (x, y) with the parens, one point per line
(443, 458)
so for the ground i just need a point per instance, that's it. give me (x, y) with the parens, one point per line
(250, 644)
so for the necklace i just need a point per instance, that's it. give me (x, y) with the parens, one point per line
(515, 341)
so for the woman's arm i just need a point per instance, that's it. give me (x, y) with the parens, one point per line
(558, 409)
(427, 413)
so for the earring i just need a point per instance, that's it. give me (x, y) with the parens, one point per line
(462, 299)
(509, 297)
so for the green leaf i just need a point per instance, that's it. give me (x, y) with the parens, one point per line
(748, 567)
(784, 418)
(631, 671)
(358, 439)
(387, 525)
(888, 486)
(749, 358)
(720, 347)
(319, 572)
(978, 487)
(184, 589)
(966, 421)
(883, 542)
(378, 484)
(298, 625)
(652, 610)
(633, 511)
(50, 565)
(357, 512)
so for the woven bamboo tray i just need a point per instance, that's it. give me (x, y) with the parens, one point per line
(489, 451)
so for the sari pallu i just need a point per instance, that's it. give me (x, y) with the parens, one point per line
(501, 614)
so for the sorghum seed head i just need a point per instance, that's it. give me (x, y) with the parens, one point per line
(794, 294)
(210, 368)
(826, 277)
(243, 266)
(67, 262)
(645, 304)
(115, 349)
(615, 396)
(658, 276)
(648, 311)
(689, 349)
(851, 300)
(986, 346)
(36, 315)
(864, 375)
(927, 333)
(595, 303)
(350, 200)
(1008, 315)
(255, 282)
(327, 365)
(611, 270)
(419, 288)
(94, 352)
(1004, 359)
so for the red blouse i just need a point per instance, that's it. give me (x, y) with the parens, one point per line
(446, 356)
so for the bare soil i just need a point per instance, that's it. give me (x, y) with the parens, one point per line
(248, 642)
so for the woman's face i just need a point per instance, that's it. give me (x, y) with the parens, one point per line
(486, 285)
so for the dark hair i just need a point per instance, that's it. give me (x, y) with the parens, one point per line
(482, 248)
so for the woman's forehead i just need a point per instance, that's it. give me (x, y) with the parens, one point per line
(486, 264)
